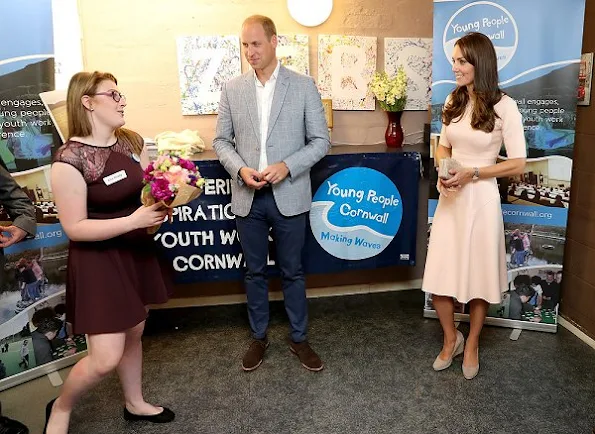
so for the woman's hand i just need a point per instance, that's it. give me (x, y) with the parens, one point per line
(460, 177)
(147, 216)
(441, 187)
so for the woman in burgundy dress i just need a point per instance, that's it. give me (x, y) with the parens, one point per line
(113, 269)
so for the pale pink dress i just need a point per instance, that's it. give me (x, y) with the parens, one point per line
(466, 255)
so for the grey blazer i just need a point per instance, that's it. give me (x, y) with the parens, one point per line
(18, 205)
(297, 135)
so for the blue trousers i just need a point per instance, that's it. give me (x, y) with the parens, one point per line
(289, 235)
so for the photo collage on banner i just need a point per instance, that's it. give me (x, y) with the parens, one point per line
(33, 327)
(540, 71)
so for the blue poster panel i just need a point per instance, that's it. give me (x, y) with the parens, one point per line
(32, 289)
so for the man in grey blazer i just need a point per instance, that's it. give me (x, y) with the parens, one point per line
(271, 130)
(18, 205)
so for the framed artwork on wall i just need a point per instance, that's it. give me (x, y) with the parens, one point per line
(584, 79)
(293, 53)
(346, 65)
(327, 104)
(204, 64)
(415, 55)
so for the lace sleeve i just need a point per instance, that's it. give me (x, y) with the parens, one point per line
(88, 160)
(70, 153)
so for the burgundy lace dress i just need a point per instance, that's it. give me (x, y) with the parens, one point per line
(110, 282)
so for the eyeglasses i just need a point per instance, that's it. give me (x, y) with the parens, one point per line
(117, 96)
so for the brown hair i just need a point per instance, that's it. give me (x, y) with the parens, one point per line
(82, 83)
(479, 51)
(86, 83)
(267, 24)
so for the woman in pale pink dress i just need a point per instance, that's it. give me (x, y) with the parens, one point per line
(466, 255)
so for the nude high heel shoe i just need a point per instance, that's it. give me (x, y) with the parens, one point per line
(440, 364)
(470, 372)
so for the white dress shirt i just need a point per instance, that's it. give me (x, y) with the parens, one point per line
(264, 101)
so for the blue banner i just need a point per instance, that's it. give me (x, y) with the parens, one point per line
(34, 281)
(364, 215)
(538, 67)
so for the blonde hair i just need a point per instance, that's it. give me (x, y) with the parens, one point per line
(267, 24)
(82, 83)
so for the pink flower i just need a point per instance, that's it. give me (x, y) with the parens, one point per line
(160, 190)
(167, 174)
(176, 177)
(186, 164)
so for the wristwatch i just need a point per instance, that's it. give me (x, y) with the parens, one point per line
(475, 173)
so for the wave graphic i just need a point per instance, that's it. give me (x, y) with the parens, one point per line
(323, 213)
(522, 74)
(502, 53)
(29, 57)
(353, 243)
(537, 68)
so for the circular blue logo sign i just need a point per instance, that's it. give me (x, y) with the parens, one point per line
(489, 18)
(356, 213)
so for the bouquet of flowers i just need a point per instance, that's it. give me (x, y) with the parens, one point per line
(172, 181)
(391, 93)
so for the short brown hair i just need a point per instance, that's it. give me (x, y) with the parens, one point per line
(267, 24)
(82, 83)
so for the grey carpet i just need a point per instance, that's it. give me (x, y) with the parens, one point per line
(378, 351)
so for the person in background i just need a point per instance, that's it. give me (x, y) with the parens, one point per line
(18, 205)
(39, 275)
(46, 327)
(537, 299)
(271, 130)
(24, 353)
(65, 332)
(551, 290)
(477, 118)
(97, 179)
(25, 275)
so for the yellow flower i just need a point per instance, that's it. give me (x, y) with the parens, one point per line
(391, 93)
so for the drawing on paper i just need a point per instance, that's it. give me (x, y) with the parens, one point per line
(415, 54)
(205, 63)
(345, 68)
(293, 53)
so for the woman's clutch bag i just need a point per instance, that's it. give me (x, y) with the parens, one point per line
(446, 164)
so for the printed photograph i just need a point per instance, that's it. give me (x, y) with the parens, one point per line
(55, 103)
(546, 182)
(533, 245)
(32, 275)
(584, 79)
(533, 295)
(36, 184)
(36, 336)
(15, 346)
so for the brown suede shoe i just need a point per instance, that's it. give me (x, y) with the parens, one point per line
(253, 357)
(307, 356)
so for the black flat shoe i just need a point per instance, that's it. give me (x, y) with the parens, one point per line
(48, 413)
(164, 417)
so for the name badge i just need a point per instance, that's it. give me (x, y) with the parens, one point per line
(115, 177)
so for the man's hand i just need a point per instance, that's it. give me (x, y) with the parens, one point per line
(275, 173)
(10, 235)
(252, 178)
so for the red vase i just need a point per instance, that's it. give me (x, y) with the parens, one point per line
(394, 132)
